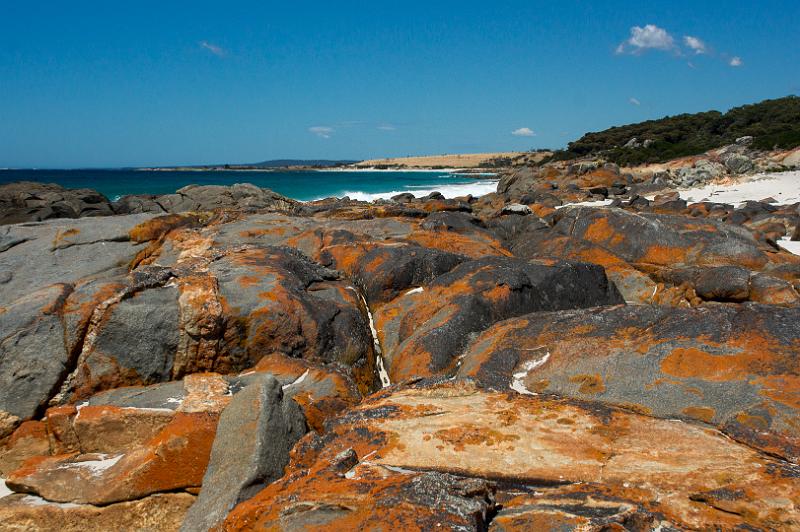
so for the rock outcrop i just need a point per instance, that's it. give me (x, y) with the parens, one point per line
(225, 358)
(32, 202)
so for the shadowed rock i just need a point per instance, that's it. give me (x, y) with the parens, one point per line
(423, 331)
(28, 201)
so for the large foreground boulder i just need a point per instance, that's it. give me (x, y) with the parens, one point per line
(444, 456)
(127, 444)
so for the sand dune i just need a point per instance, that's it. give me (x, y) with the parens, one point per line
(463, 160)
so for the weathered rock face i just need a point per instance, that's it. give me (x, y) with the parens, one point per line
(28, 513)
(109, 451)
(423, 331)
(322, 391)
(550, 461)
(242, 197)
(55, 275)
(387, 271)
(734, 367)
(33, 202)
(255, 434)
(657, 240)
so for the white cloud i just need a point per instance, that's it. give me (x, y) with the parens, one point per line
(650, 37)
(213, 48)
(324, 132)
(634, 101)
(386, 127)
(523, 132)
(735, 61)
(695, 44)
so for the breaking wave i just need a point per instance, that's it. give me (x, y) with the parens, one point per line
(475, 188)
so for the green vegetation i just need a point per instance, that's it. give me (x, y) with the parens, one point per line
(771, 123)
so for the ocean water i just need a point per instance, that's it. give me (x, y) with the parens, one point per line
(304, 186)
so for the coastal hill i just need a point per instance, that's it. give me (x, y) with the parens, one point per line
(773, 124)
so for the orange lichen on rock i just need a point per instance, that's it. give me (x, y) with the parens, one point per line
(589, 384)
(155, 228)
(355, 480)
(175, 458)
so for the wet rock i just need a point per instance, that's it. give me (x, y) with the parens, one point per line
(495, 444)
(28, 201)
(423, 332)
(255, 434)
(728, 365)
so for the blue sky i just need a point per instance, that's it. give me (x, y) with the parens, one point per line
(92, 83)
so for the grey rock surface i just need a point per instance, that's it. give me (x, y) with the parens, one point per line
(255, 434)
(28, 201)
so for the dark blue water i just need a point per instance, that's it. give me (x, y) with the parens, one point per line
(307, 185)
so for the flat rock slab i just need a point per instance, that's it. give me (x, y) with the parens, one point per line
(674, 473)
(732, 366)
(28, 513)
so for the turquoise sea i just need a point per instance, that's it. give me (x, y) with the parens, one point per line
(305, 185)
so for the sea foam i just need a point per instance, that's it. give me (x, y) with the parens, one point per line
(477, 188)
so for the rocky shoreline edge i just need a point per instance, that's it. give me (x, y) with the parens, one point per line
(227, 358)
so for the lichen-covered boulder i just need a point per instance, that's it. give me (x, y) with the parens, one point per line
(732, 366)
(652, 241)
(424, 331)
